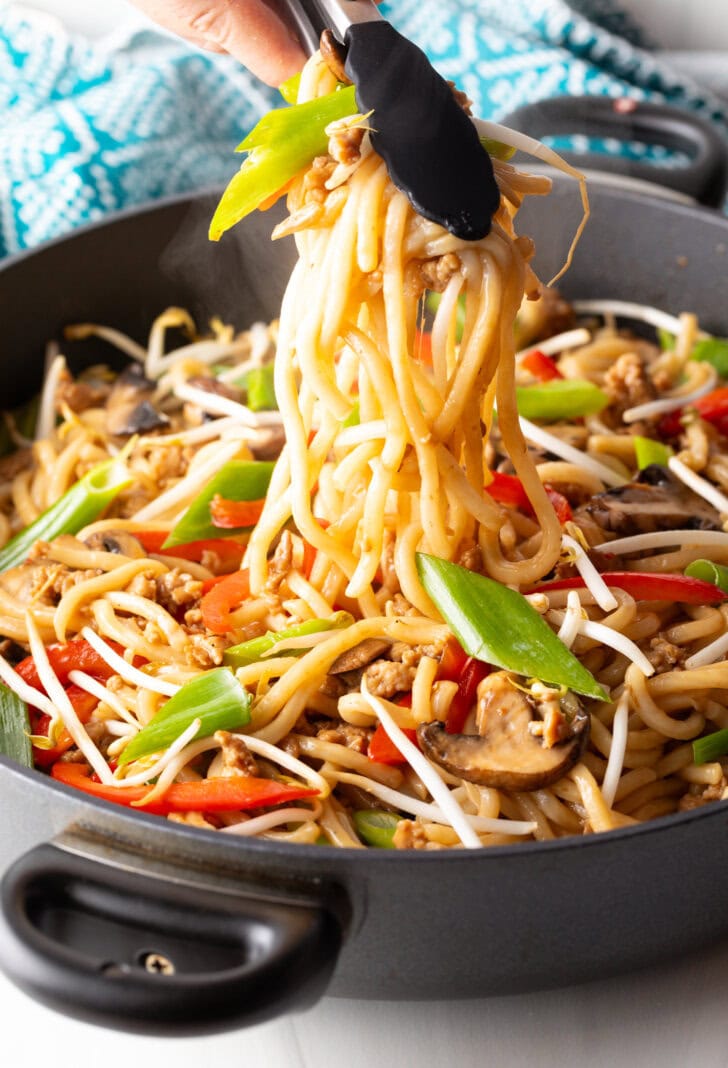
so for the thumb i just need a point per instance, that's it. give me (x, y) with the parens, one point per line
(250, 30)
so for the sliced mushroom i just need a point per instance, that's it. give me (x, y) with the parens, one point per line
(116, 541)
(512, 751)
(129, 409)
(359, 656)
(656, 501)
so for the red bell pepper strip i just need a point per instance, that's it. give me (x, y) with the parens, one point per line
(228, 551)
(383, 750)
(473, 674)
(541, 366)
(222, 599)
(452, 661)
(233, 794)
(422, 350)
(76, 655)
(83, 704)
(647, 586)
(228, 514)
(560, 504)
(509, 490)
(670, 425)
(713, 407)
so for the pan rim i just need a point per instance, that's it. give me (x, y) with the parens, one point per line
(658, 825)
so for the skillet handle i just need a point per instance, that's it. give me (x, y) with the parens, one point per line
(703, 177)
(138, 953)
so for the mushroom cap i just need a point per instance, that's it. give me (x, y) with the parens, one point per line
(506, 755)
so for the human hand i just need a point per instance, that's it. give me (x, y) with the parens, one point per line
(250, 30)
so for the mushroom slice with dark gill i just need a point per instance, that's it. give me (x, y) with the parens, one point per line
(523, 744)
(129, 409)
(656, 501)
(116, 541)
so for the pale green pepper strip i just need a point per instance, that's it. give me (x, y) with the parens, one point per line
(648, 451)
(260, 389)
(497, 625)
(562, 398)
(283, 143)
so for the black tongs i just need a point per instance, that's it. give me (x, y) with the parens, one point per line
(428, 142)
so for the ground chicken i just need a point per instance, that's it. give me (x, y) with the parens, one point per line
(409, 834)
(205, 651)
(400, 606)
(314, 181)
(167, 463)
(410, 655)
(385, 678)
(664, 655)
(236, 757)
(54, 581)
(143, 585)
(176, 589)
(704, 796)
(627, 384)
(470, 555)
(345, 144)
(356, 738)
(434, 274)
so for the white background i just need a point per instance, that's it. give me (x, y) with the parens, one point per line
(671, 1017)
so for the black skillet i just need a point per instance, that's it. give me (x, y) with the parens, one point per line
(130, 921)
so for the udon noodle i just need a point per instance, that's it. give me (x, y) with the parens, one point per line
(394, 409)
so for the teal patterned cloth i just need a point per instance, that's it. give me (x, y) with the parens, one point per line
(87, 129)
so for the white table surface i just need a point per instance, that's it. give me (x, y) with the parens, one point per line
(671, 1016)
(665, 1018)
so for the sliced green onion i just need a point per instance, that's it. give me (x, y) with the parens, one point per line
(237, 480)
(497, 625)
(711, 747)
(648, 451)
(250, 652)
(79, 506)
(216, 698)
(562, 398)
(712, 350)
(14, 728)
(376, 827)
(709, 572)
(258, 382)
(283, 143)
